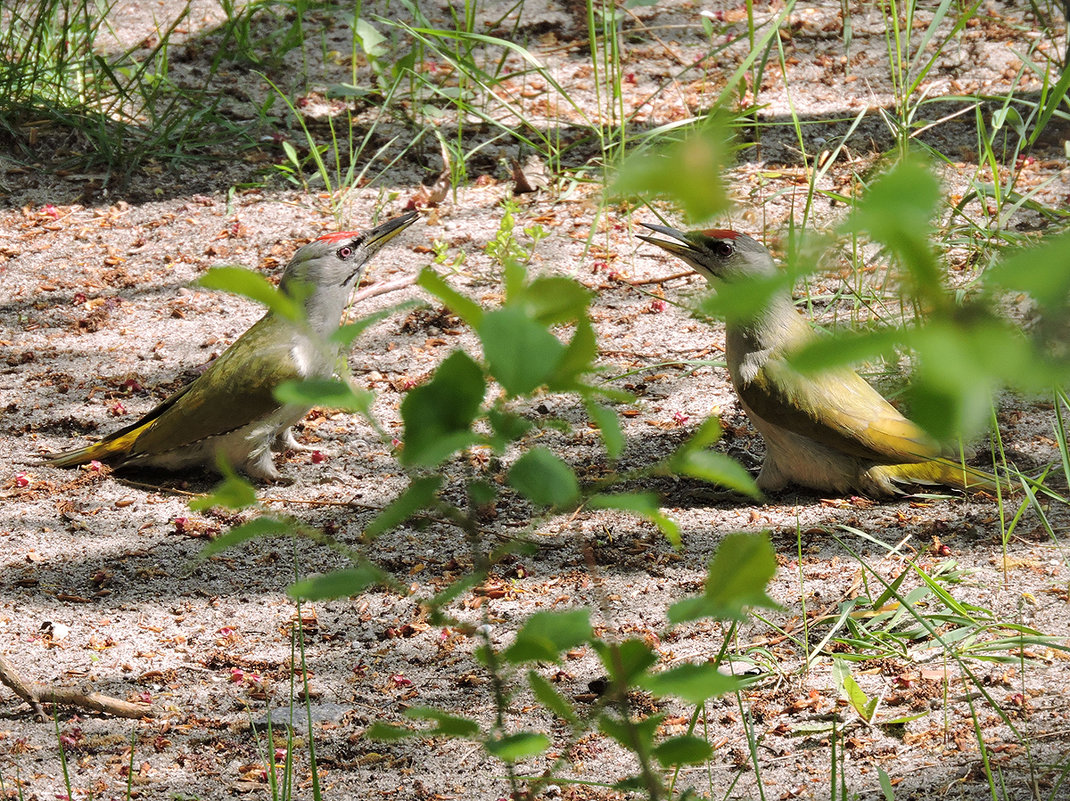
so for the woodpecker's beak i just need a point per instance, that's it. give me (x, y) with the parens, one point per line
(371, 240)
(683, 247)
(380, 235)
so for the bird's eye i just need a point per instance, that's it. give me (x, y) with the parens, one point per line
(345, 252)
(721, 248)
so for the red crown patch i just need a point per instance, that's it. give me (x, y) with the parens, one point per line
(722, 233)
(338, 236)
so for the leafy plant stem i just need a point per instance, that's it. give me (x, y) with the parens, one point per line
(300, 633)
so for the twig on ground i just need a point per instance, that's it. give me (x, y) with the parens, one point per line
(37, 694)
(159, 488)
(382, 288)
(661, 279)
(320, 502)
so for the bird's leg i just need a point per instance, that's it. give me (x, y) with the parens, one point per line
(260, 466)
(770, 477)
(285, 441)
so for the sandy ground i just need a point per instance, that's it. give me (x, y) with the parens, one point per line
(101, 584)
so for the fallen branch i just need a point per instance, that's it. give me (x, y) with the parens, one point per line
(662, 279)
(382, 288)
(36, 694)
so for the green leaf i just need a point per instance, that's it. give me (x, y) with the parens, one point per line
(455, 590)
(863, 705)
(642, 730)
(348, 90)
(693, 683)
(546, 634)
(854, 694)
(897, 210)
(715, 468)
(515, 272)
(641, 503)
(890, 591)
(706, 434)
(644, 504)
(810, 728)
(683, 750)
(446, 725)
(386, 732)
(845, 348)
(900, 203)
(1008, 115)
(941, 410)
(544, 479)
(521, 354)
(254, 286)
(693, 608)
(257, 527)
(959, 367)
(740, 301)
(1048, 107)
(608, 426)
(555, 299)
(464, 307)
(481, 492)
(885, 780)
(689, 173)
(741, 568)
(550, 698)
(291, 154)
(507, 426)
(345, 335)
(327, 393)
(339, 584)
(625, 661)
(518, 746)
(1044, 273)
(610, 394)
(233, 492)
(577, 359)
(371, 41)
(985, 350)
(418, 495)
(438, 415)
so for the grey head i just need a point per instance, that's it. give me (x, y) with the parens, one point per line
(322, 274)
(335, 262)
(716, 253)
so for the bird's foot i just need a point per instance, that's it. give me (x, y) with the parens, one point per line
(262, 468)
(270, 477)
(285, 441)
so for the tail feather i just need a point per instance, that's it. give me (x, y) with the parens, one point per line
(943, 471)
(110, 449)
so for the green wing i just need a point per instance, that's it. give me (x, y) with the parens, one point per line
(839, 409)
(235, 390)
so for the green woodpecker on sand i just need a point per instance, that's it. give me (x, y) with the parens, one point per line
(832, 431)
(230, 410)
